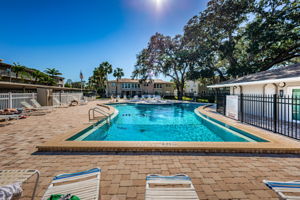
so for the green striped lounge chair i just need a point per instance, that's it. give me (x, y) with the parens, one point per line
(175, 187)
(285, 189)
(85, 185)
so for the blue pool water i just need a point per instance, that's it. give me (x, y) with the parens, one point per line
(176, 122)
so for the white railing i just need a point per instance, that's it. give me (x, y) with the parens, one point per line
(66, 98)
(13, 100)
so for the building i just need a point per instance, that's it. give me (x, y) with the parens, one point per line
(192, 87)
(281, 81)
(26, 77)
(268, 99)
(132, 87)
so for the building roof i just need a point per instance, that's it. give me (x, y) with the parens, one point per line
(11, 85)
(128, 80)
(289, 73)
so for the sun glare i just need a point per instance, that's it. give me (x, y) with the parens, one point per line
(159, 4)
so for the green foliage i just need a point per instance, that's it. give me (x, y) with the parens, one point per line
(18, 69)
(99, 78)
(118, 74)
(165, 55)
(237, 37)
(52, 72)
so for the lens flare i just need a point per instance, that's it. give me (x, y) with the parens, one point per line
(159, 4)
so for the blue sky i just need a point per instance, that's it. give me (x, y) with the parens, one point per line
(74, 35)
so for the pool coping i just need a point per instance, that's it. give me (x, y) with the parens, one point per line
(276, 143)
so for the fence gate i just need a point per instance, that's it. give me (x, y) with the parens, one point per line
(221, 103)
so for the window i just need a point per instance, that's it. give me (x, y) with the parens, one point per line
(113, 84)
(157, 85)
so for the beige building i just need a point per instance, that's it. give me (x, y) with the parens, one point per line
(132, 87)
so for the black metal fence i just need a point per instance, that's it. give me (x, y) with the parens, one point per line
(280, 114)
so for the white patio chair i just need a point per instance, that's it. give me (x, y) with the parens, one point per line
(170, 187)
(285, 190)
(8, 177)
(30, 107)
(38, 105)
(85, 185)
(81, 101)
(59, 104)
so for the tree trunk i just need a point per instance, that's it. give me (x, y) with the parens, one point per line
(179, 91)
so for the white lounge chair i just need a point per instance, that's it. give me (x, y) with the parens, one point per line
(157, 187)
(81, 101)
(30, 107)
(289, 187)
(135, 99)
(8, 117)
(38, 105)
(84, 184)
(8, 177)
(59, 104)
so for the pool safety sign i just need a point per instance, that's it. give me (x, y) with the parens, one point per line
(232, 106)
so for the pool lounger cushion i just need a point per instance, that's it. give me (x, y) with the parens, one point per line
(165, 192)
(85, 185)
(285, 187)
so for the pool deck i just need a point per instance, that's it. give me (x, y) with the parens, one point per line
(276, 143)
(214, 175)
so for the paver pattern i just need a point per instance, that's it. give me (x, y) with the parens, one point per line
(215, 176)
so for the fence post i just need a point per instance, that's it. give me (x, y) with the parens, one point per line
(275, 113)
(33, 97)
(10, 102)
(224, 96)
(242, 107)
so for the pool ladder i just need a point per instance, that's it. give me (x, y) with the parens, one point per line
(98, 110)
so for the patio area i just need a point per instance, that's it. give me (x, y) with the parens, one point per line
(215, 176)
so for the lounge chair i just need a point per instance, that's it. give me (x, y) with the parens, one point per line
(135, 98)
(118, 98)
(157, 187)
(84, 185)
(81, 101)
(30, 107)
(59, 104)
(9, 117)
(285, 187)
(38, 105)
(9, 177)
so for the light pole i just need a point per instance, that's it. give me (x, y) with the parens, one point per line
(81, 78)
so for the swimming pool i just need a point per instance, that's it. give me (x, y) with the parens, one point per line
(177, 122)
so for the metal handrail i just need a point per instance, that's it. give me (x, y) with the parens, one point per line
(98, 110)
(104, 106)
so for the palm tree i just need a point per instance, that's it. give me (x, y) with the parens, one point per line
(37, 75)
(106, 67)
(118, 74)
(18, 69)
(52, 72)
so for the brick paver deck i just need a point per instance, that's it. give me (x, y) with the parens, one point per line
(215, 176)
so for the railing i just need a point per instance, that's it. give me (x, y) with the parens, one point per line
(221, 103)
(280, 114)
(98, 110)
(13, 100)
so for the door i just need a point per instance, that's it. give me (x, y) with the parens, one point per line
(296, 104)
